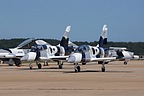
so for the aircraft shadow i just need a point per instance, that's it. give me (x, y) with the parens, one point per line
(65, 71)
(91, 71)
(54, 68)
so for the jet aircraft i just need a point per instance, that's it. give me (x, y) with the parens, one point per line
(46, 52)
(122, 54)
(86, 53)
(13, 55)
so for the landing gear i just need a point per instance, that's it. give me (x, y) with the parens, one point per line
(39, 66)
(103, 67)
(46, 63)
(30, 66)
(77, 67)
(125, 62)
(18, 63)
(83, 63)
(60, 64)
(10, 64)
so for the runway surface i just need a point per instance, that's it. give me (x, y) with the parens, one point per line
(118, 80)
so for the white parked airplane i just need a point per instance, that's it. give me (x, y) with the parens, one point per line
(13, 55)
(86, 53)
(122, 54)
(46, 52)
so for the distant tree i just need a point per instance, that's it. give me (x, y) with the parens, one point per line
(136, 47)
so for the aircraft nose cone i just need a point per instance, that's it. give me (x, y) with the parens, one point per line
(75, 58)
(29, 56)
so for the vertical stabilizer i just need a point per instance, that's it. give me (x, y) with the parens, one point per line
(65, 38)
(103, 37)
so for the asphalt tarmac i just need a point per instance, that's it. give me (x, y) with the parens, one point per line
(118, 80)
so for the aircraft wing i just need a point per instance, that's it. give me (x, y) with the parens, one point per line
(117, 48)
(8, 56)
(72, 44)
(54, 58)
(25, 43)
(102, 59)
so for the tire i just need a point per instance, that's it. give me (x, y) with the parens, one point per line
(10, 64)
(83, 63)
(60, 66)
(18, 63)
(78, 68)
(103, 69)
(30, 68)
(125, 63)
(39, 66)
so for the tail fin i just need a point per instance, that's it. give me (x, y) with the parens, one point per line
(103, 37)
(65, 39)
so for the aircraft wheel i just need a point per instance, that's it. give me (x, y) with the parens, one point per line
(103, 69)
(18, 65)
(45, 64)
(39, 66)
(83, 63)
(77, 69)
(10, 64)
(31, 67)
(60, 66)
(125, 63)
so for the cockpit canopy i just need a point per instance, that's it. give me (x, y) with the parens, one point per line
(38, 47)
(82, 48)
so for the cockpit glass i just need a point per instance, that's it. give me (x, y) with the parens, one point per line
(36, 48)
(82, 48)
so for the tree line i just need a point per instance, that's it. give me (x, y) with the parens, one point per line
(136, 47)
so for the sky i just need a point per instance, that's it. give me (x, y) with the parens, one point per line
(49, 18)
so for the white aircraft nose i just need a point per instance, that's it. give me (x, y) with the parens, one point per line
(75, 58)
(29, 56)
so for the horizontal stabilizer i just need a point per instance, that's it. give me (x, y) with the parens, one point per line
(72, 44)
